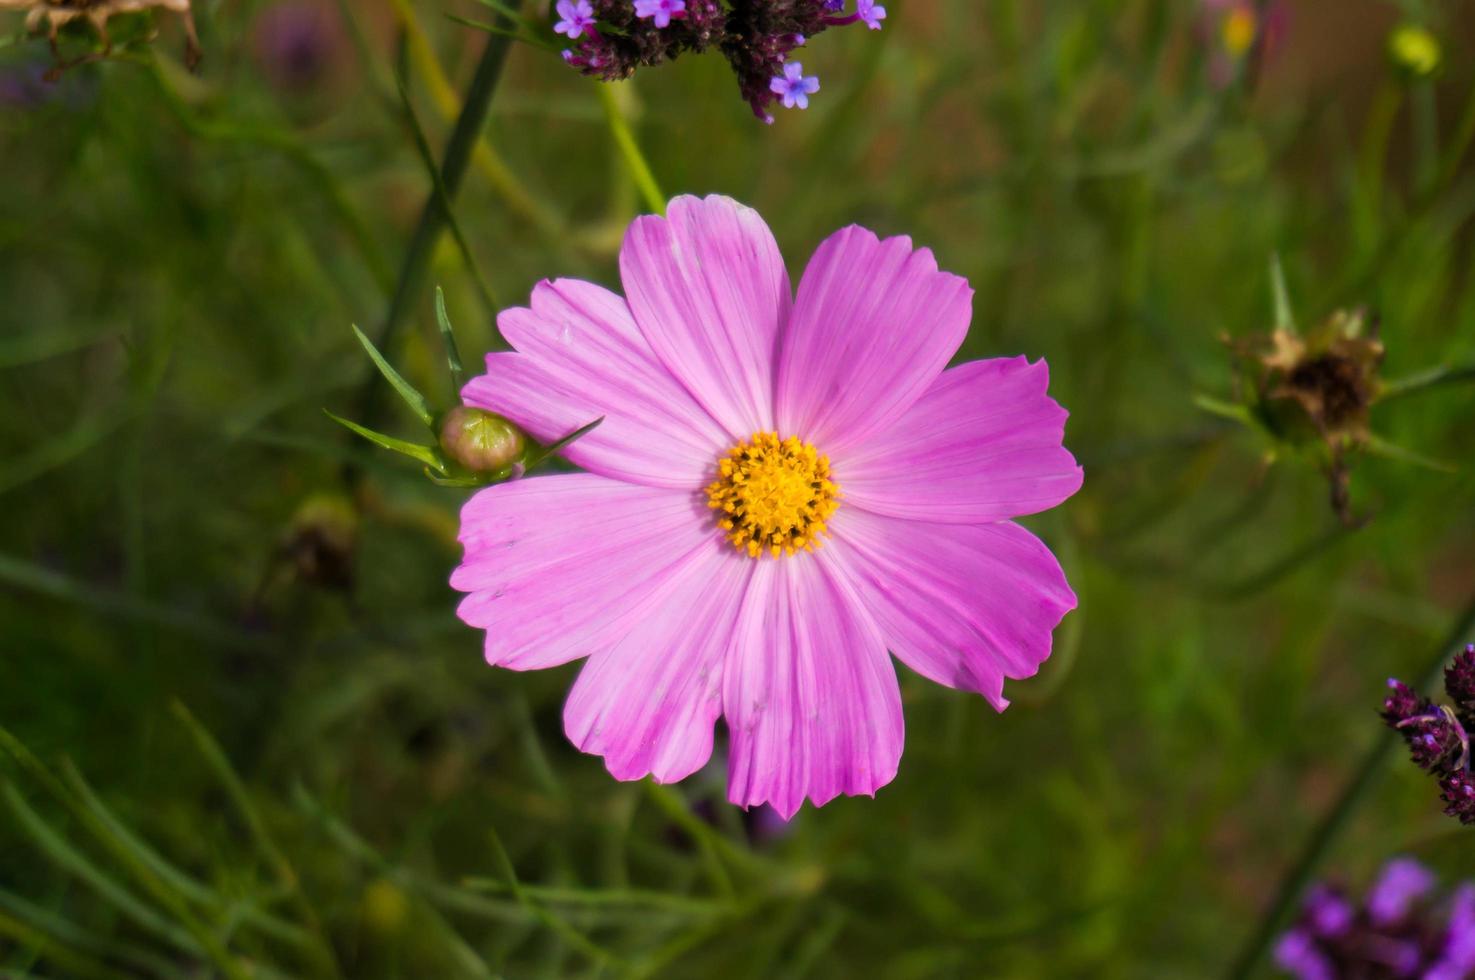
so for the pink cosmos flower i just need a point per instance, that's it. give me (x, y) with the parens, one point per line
(783, 489)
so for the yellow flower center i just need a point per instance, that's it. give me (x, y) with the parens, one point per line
(773, 495)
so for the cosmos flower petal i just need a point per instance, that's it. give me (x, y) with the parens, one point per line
(649, 703)
(559, 567)
(709, 290)
(811, 700)
(873, 326)
(983, 444)
(579, 356)
(962, 605)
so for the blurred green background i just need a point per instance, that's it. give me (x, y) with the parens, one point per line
(264, 746)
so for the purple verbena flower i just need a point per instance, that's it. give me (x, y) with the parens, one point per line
(1298, 954)
(860, 499)
(794, 87)
(870, 13)
(578, 18)
(1400, 930)
(1402, 884)
(659, 12)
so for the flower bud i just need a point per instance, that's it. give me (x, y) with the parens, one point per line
(1459, 681)
(480, 441)
(1414, 50)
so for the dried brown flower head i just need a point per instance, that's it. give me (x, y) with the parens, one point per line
(1318, 388)
(57, 14)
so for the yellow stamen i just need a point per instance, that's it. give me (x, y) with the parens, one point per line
(773, 495)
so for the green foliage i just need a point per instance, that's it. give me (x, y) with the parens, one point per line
(352, 792)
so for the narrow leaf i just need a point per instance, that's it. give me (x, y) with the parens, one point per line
(1285, 319)
(412, 398)
(563, 443)
(425, 454)
(1379, 446)
(448, 337)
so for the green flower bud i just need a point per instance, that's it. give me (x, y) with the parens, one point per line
(1415, 50)
(480, 441)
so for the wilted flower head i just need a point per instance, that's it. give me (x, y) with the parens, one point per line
(1401, 930)
(1314, 392)
(1438, 736)
(615, 37)
(784, 488)
(56, 14)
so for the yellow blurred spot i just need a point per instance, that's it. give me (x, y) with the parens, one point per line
(385, 907)
(1239, 29)
(1414, 49)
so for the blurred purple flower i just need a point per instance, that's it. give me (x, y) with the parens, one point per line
(1397, 932)
(870, 13)
(1298, 955)
(794, 87)
(1401, 885)
(297, 43)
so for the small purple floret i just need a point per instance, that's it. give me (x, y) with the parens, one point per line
(870, 13)
(794, 87)
(659, 12)
(1328, 913)
(578, 17)
(1401, 885)
(1298, 955)
(1458, 792)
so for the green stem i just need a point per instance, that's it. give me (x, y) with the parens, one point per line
(1336, 818)
(433, 216)
(640, 171)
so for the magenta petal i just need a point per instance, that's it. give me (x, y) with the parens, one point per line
(560, 567)
(811, 700)
(983, 444)
(708, 287)
(963, 605)
(580, 356)
(648, 704)
(874, 324)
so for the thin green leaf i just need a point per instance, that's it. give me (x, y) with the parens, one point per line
(48, 948)
(286, 874)
(541, 912)
(640, 172)
(547, 451)
(1378, 446)
(467, 481)
(172, 876)
(69, 859)
(532, 39)
(1223, 409)
(511, 13)
(448, 337)
(144, 961)
(425, 454)
(1285, 319)
(412, 398)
